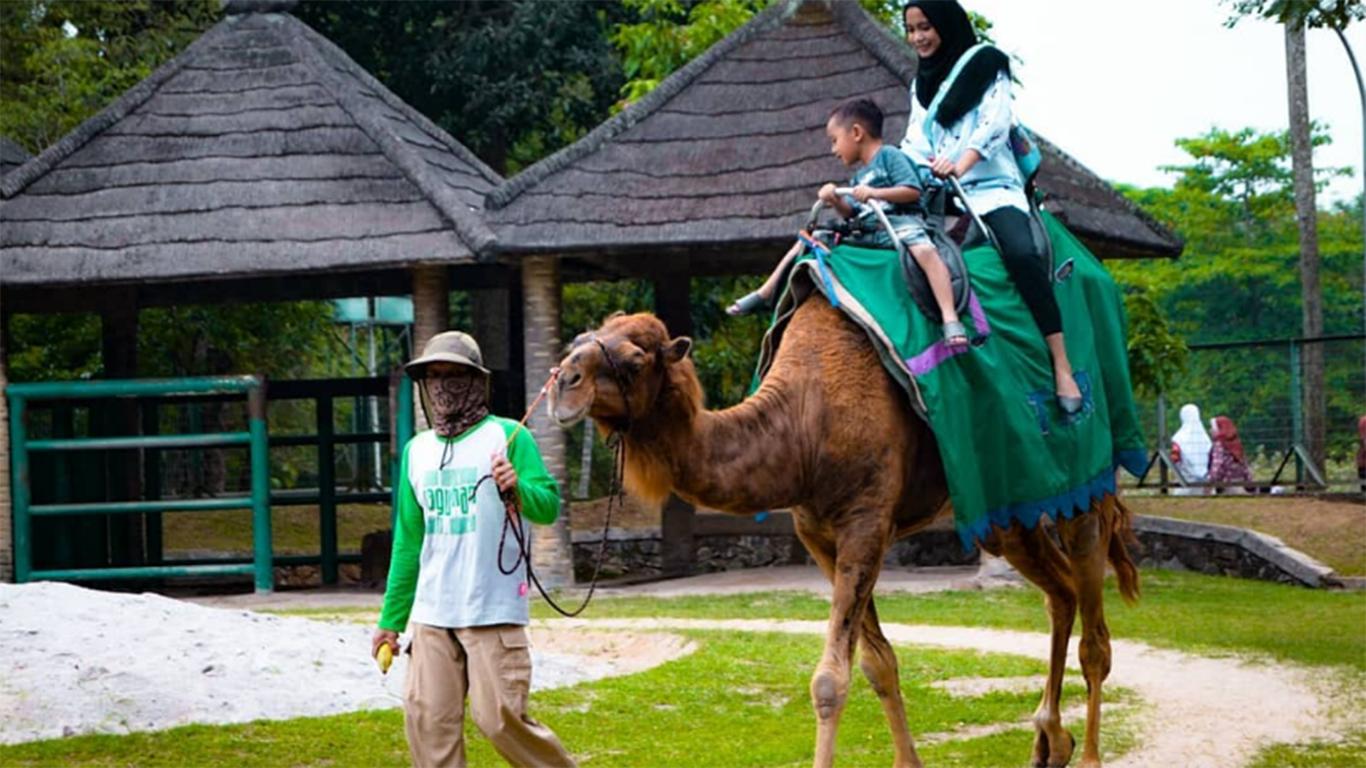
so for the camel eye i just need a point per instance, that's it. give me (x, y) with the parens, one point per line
(634, 362)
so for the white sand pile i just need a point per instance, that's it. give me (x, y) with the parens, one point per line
(81, 661)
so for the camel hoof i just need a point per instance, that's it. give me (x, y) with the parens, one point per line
(1061, 762)
(1043, 756)
(1039, 757)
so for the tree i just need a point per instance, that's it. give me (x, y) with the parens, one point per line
(670, 33)
(514, 80)
(1296, 16)
(1314, 14)
(63, 61)
(1234, 206)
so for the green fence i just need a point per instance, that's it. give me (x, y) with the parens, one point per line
(255, 438)
(399, 392)
(153, 397)
(1260, 386)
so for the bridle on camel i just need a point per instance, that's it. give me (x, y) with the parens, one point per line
(512, 505)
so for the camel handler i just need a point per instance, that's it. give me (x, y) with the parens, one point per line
(467, 619)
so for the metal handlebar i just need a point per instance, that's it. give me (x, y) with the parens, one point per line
(887, 225)
(963, 200)
(877, 209)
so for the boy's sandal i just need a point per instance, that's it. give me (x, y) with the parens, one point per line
(748, 304)
(955, 334)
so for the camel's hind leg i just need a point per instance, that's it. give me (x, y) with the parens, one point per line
(880, 667)
(852, 558)
(1087, 541)
(1038, 559)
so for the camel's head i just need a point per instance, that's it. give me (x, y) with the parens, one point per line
(614, 375)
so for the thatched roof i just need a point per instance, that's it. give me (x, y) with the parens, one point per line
(724, 157)
(11, 156)
(261, 149)
(1112, 225)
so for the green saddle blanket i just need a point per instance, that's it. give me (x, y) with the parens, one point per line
(1009, 452)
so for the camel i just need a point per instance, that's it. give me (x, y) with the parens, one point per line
(830, 435)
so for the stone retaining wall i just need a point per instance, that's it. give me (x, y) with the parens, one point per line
(1220, 549)
(637, 552)
(1164, 543)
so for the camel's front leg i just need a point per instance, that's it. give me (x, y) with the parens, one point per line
(858, 558)
(1087, 543)
(880, 667)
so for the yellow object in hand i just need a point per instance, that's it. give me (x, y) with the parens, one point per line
(385, 657)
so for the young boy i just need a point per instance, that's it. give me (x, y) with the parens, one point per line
(468, 619)
(885, 177)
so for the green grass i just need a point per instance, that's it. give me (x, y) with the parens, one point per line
(742, 700)
(1312, 525)
(1211, 615)
(294, 530)
(739, 700)
(1349, 753)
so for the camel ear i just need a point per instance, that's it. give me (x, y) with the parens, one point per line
(677, 349)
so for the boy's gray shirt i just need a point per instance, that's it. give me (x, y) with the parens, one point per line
(889, 168)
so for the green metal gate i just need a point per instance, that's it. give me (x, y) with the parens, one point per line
(255, 438)
(151, 395)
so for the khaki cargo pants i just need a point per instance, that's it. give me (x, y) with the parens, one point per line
(492, 665)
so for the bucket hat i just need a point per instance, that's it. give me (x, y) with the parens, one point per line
(449, 347)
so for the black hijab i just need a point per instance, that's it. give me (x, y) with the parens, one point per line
(956, 36)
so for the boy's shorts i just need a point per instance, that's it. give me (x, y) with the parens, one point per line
(912, 233)
(909, 231)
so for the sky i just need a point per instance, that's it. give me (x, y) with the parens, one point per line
(1115, 82)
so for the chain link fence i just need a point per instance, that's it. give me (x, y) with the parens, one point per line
(1260, 386)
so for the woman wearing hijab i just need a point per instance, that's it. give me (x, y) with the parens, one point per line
(1227, 463)
(1191, 448)
(969, 138)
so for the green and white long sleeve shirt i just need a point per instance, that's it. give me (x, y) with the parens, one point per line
(444, 568)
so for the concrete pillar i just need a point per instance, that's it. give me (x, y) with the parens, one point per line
(677, 519)
(431, 315)
(551, 552)
(6, 507)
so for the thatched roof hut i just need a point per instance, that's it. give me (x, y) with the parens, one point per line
(1111, 225)
(260, 164)
(262, 149)
(723, 158)
(11, 155)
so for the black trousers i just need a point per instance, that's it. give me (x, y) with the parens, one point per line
(1026, 266)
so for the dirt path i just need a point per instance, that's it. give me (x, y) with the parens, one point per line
(1197, 711)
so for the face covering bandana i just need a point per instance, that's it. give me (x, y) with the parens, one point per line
(457, 402)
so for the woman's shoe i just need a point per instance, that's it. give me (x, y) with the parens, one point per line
(748, 304)
(1070, 405)
(955, 334)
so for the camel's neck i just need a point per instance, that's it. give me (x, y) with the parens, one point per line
(744, 459)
